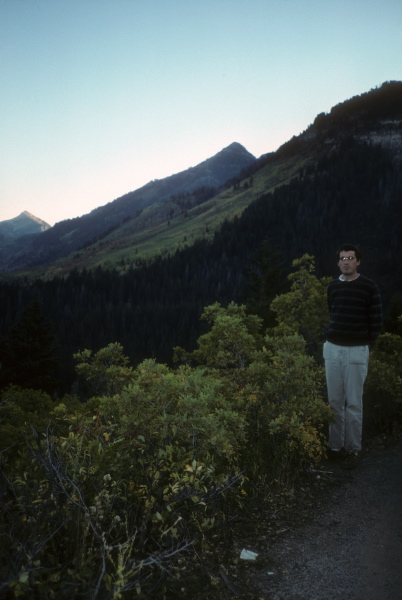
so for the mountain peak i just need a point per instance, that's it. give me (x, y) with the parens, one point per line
(224, 165)
(25, 224)
(27, 215)
(236, 149)
(235, 146)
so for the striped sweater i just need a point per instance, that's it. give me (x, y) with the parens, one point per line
(355, 312)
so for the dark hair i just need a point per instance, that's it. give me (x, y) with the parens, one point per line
(346, 248)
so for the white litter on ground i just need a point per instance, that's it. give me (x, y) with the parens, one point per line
(248, 555)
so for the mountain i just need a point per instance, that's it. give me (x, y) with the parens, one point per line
(373, 118)
(167, 215)
(70, 235)
(24, 224)
(145, 283)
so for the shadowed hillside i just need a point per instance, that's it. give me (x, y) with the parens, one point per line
(72, 234)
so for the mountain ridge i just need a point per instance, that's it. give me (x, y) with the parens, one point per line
(70, 235)
(162, 219)
(373, 118)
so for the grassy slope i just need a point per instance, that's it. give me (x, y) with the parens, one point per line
(155, 233)
(167, 236)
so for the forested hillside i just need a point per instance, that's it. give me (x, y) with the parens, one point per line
(68, 236)
(353, 194)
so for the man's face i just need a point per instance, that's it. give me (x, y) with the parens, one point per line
(348, 263)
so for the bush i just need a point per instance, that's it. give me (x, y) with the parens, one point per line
(21, 411)
(123, 493)
(383, 391)
(304, 310)
(273, 384)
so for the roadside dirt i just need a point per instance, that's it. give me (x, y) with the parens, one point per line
(351, 549)
(343, 542)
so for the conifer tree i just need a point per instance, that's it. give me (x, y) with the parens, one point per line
(29, 356)
(266, 281)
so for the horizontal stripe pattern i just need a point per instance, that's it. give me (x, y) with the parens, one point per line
(355, 312)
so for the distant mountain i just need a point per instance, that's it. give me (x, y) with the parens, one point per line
(70, 235)
(24, 224)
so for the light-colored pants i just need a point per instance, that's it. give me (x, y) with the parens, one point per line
(346, 371)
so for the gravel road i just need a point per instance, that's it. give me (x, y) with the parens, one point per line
(351, 548)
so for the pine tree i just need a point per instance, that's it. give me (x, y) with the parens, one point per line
(29, 356)
(266, 281)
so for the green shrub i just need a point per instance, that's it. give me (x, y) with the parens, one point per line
(120, 494)
(21, 411)
(383, 389)
(304, 310)
(272, 383)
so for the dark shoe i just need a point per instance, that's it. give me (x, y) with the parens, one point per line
(336, 455)
(350, 461)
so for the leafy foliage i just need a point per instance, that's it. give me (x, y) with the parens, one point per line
(122, 488)
(233, 337)
(106, 372)
(119, 495)
(384, 385)
(303, 310)
(273, 383)
(21, 411)
(106, 498)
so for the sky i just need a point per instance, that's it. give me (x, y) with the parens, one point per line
(99, 97)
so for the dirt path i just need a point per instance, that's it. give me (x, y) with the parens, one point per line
(351, 547)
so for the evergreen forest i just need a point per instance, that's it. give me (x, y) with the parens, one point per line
(149, 307)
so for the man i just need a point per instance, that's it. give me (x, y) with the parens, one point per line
(355, 319)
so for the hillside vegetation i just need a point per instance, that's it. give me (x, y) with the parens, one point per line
(128, 494)
(70, 235)
(374, 118)
(178, 222)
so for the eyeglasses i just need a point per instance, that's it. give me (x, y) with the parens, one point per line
(349, 258)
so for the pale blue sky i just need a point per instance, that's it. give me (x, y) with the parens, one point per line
(98, 97)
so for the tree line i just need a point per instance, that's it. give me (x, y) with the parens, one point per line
(353, 195)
